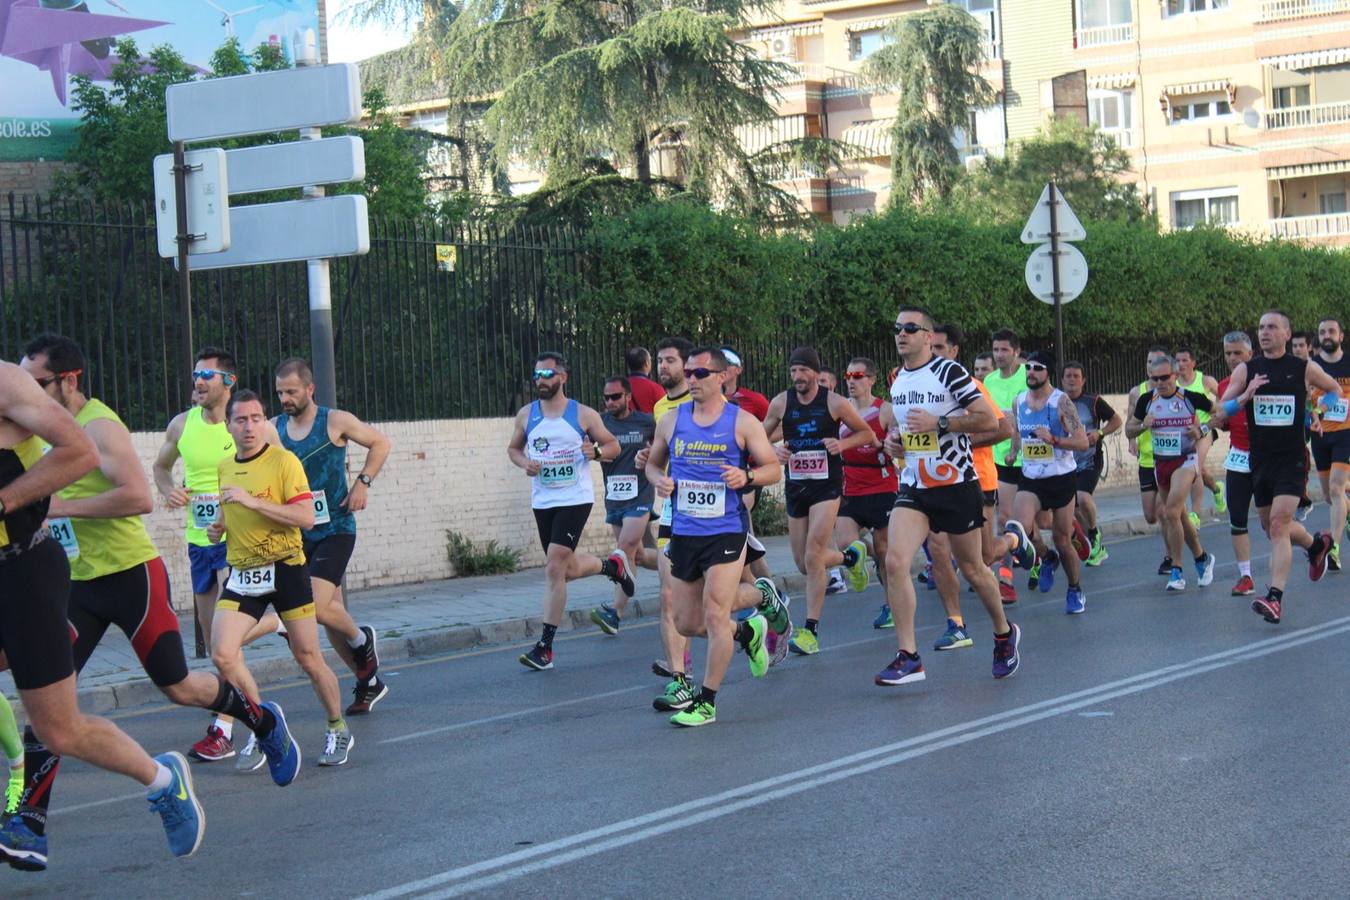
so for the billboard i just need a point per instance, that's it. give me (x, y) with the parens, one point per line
(44, 43)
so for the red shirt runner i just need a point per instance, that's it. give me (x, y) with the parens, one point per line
(753, 402)
(867, 469)
(1237, 425)
(645, 392)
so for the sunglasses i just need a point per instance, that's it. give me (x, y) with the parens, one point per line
(1160, 378)
(544, 373)
(909, 328)
(52, 379)
(1037, 367)
(700, 373)
(612, 397)
(857, 376)
(208, 374)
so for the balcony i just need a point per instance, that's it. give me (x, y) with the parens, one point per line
(1280, 10)
(1336, 225)
(1309, 116)
(1124, 137)
(1107, 34)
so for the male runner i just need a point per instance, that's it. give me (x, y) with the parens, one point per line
(806, 419)
(707, 444)
(984, 364)
(118, 579)
(834, 581)
(553, 440)
(934, 407)
(1189, 378)
(1300, 344)
(1142, 449)
(645, 391)
(1237, 349)
(1171, 416)
(1331, 447)
(753, 402)
(319, 437)
(1100, 420)
(34, 632)
(628, 495)
(1273, 387)
(201, 438)
(1008, 379)
(1046, 434)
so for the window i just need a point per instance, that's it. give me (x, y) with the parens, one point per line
(1181, 7)
(1104, 13)
(1331, 203)
(1286, 97)
(1111, 110)
(1200, 109)
(862, 44)
(1218, 206)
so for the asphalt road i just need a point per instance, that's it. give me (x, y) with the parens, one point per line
(1157, 745)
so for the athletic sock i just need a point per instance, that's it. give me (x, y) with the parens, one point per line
(232, 702)
(707, 695)
(359, 641)
(225, 726)
(960, 622)
(1275, 594)
(546, 640)
(1245, 567)
(744, 633)
(1200, 560)
(1002, 637)
(338, 724)
(812, 625)
(609, 568)
(39, 768)
(851, 555)
(163, 778)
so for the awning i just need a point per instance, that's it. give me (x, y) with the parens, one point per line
(1309, 60)
(1217, 86)
(791, 29)
(874, 135)
(1305, 170)
(870, 24)
(1112, 82)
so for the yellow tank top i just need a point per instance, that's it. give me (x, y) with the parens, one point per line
(274, 475)
(203, 448)
(103, 546)
(1145, 440)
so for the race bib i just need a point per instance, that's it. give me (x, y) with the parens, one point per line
(64, 532)
(253, 582)
(1238, 461)
(809, 465)
(1336, 410)
(559, 474)
(919, 443)
(1035, 450)
(1166, 443)
(321, 515)
(703, 499)
(1273, 410)
(204, 509)
(621, 487)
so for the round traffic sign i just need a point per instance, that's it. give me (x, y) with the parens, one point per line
(1073, 273)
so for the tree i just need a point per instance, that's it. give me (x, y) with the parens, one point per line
(932, 62)
(1086, 164)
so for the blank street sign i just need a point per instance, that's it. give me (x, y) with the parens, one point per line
(274, 167)
(305, 97)
(208, 206)
(293, 230)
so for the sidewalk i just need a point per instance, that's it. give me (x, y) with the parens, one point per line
(419, 620)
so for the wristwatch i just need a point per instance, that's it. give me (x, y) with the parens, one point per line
(942, 424)
(596, 445)
(364, 479)
(749, 476)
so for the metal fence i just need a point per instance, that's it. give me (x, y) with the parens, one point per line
(413, 341)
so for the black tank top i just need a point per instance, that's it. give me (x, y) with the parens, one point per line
(19, 526)
(805, 427)
(1277, 413)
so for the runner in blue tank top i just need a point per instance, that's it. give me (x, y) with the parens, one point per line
(707, 443)
(319, 437)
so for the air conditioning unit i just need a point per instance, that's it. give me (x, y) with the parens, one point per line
(783, 48)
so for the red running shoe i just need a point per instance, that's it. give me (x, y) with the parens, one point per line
(214, 747)
(1081, 545)
(1267, 608)
(1244, 587)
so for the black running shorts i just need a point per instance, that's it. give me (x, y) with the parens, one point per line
(693, 555)
(955, 509)
(34, 633)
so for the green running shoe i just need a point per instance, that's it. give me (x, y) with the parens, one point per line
(1334, 558)
(1099, 555)
(857, 573)
(13, 791)
(1034, 575)
(679, 695)
(1220, 498)
(754, 647)
(773, 607)
(701, 713)
(804, 643)
(1195, 519)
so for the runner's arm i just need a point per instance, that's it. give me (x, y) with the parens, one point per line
(175, 495)
(1010, 455)
(773, 419)
(130, 493)
(1077, 438)
(767, 469)
(657, 456)
(605, 446)
(1317, 377)
(997, 436)
(515, 449)
(350, 428)
(72, 455)
(846, 413)
(1114, 421)
(1138, 412)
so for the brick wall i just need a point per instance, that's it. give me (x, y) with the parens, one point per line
(27, 177)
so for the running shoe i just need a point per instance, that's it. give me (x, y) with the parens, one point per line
(177, 806)
(1034, 576)
(857, 573)
(1220, 499)
(251, 758)
(1165, 567)
(1204, 571)
(1099, 554)
(1176, 584)
(662, 668)
(1304, 507)
(337, 744)
(1267, 608)
(906, 667)
(754, 645)
(954, 638)
(1245, 587)
(1334, 558)
(20, 846)
(926, 576)
(777, 645)
(701, 713)
(539, 658)
(679, 694)
(1046, 576)
(1074, 601)
(804, 643)
(623, 572)
(214, 747)
(1081, 545)
(1317, 555)
(883, 619)
(281, 750)
(773, 606)
(1195, 519)
(1006, 657)
(1025, 554)
(367, 656)
(836, 583)
(1007, 593)
(365, 696)
(607, 618)
(13, 791)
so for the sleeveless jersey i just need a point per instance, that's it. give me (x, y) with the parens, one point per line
(867, 469)
(1172, 418)
(101, 546)
(625, 483)
(564, 477)
(1197, 386)
(1089, 408)
(983, 457)
(703, 504)
(805, 427)
(19, 526)
(1276, 420)
(326, 469)
(1145, 440)
(1039, 458)
(203, 448)
(944, 388)
(1334, 419)
(1005, 391)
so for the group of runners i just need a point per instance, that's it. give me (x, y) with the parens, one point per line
(970, 470)
(270, 527)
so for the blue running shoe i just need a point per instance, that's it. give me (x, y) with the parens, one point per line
(1204, 571)
(954, 638)
(1025, 554)
(883, 619)
(607, 617)
(906, 667)
(22, 847)
(1006, 657)
(1046, 578)
(1074, 601)
(282, 752)
(183, 817)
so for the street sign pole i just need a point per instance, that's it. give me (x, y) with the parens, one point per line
(323, 361)
(1054, 270)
